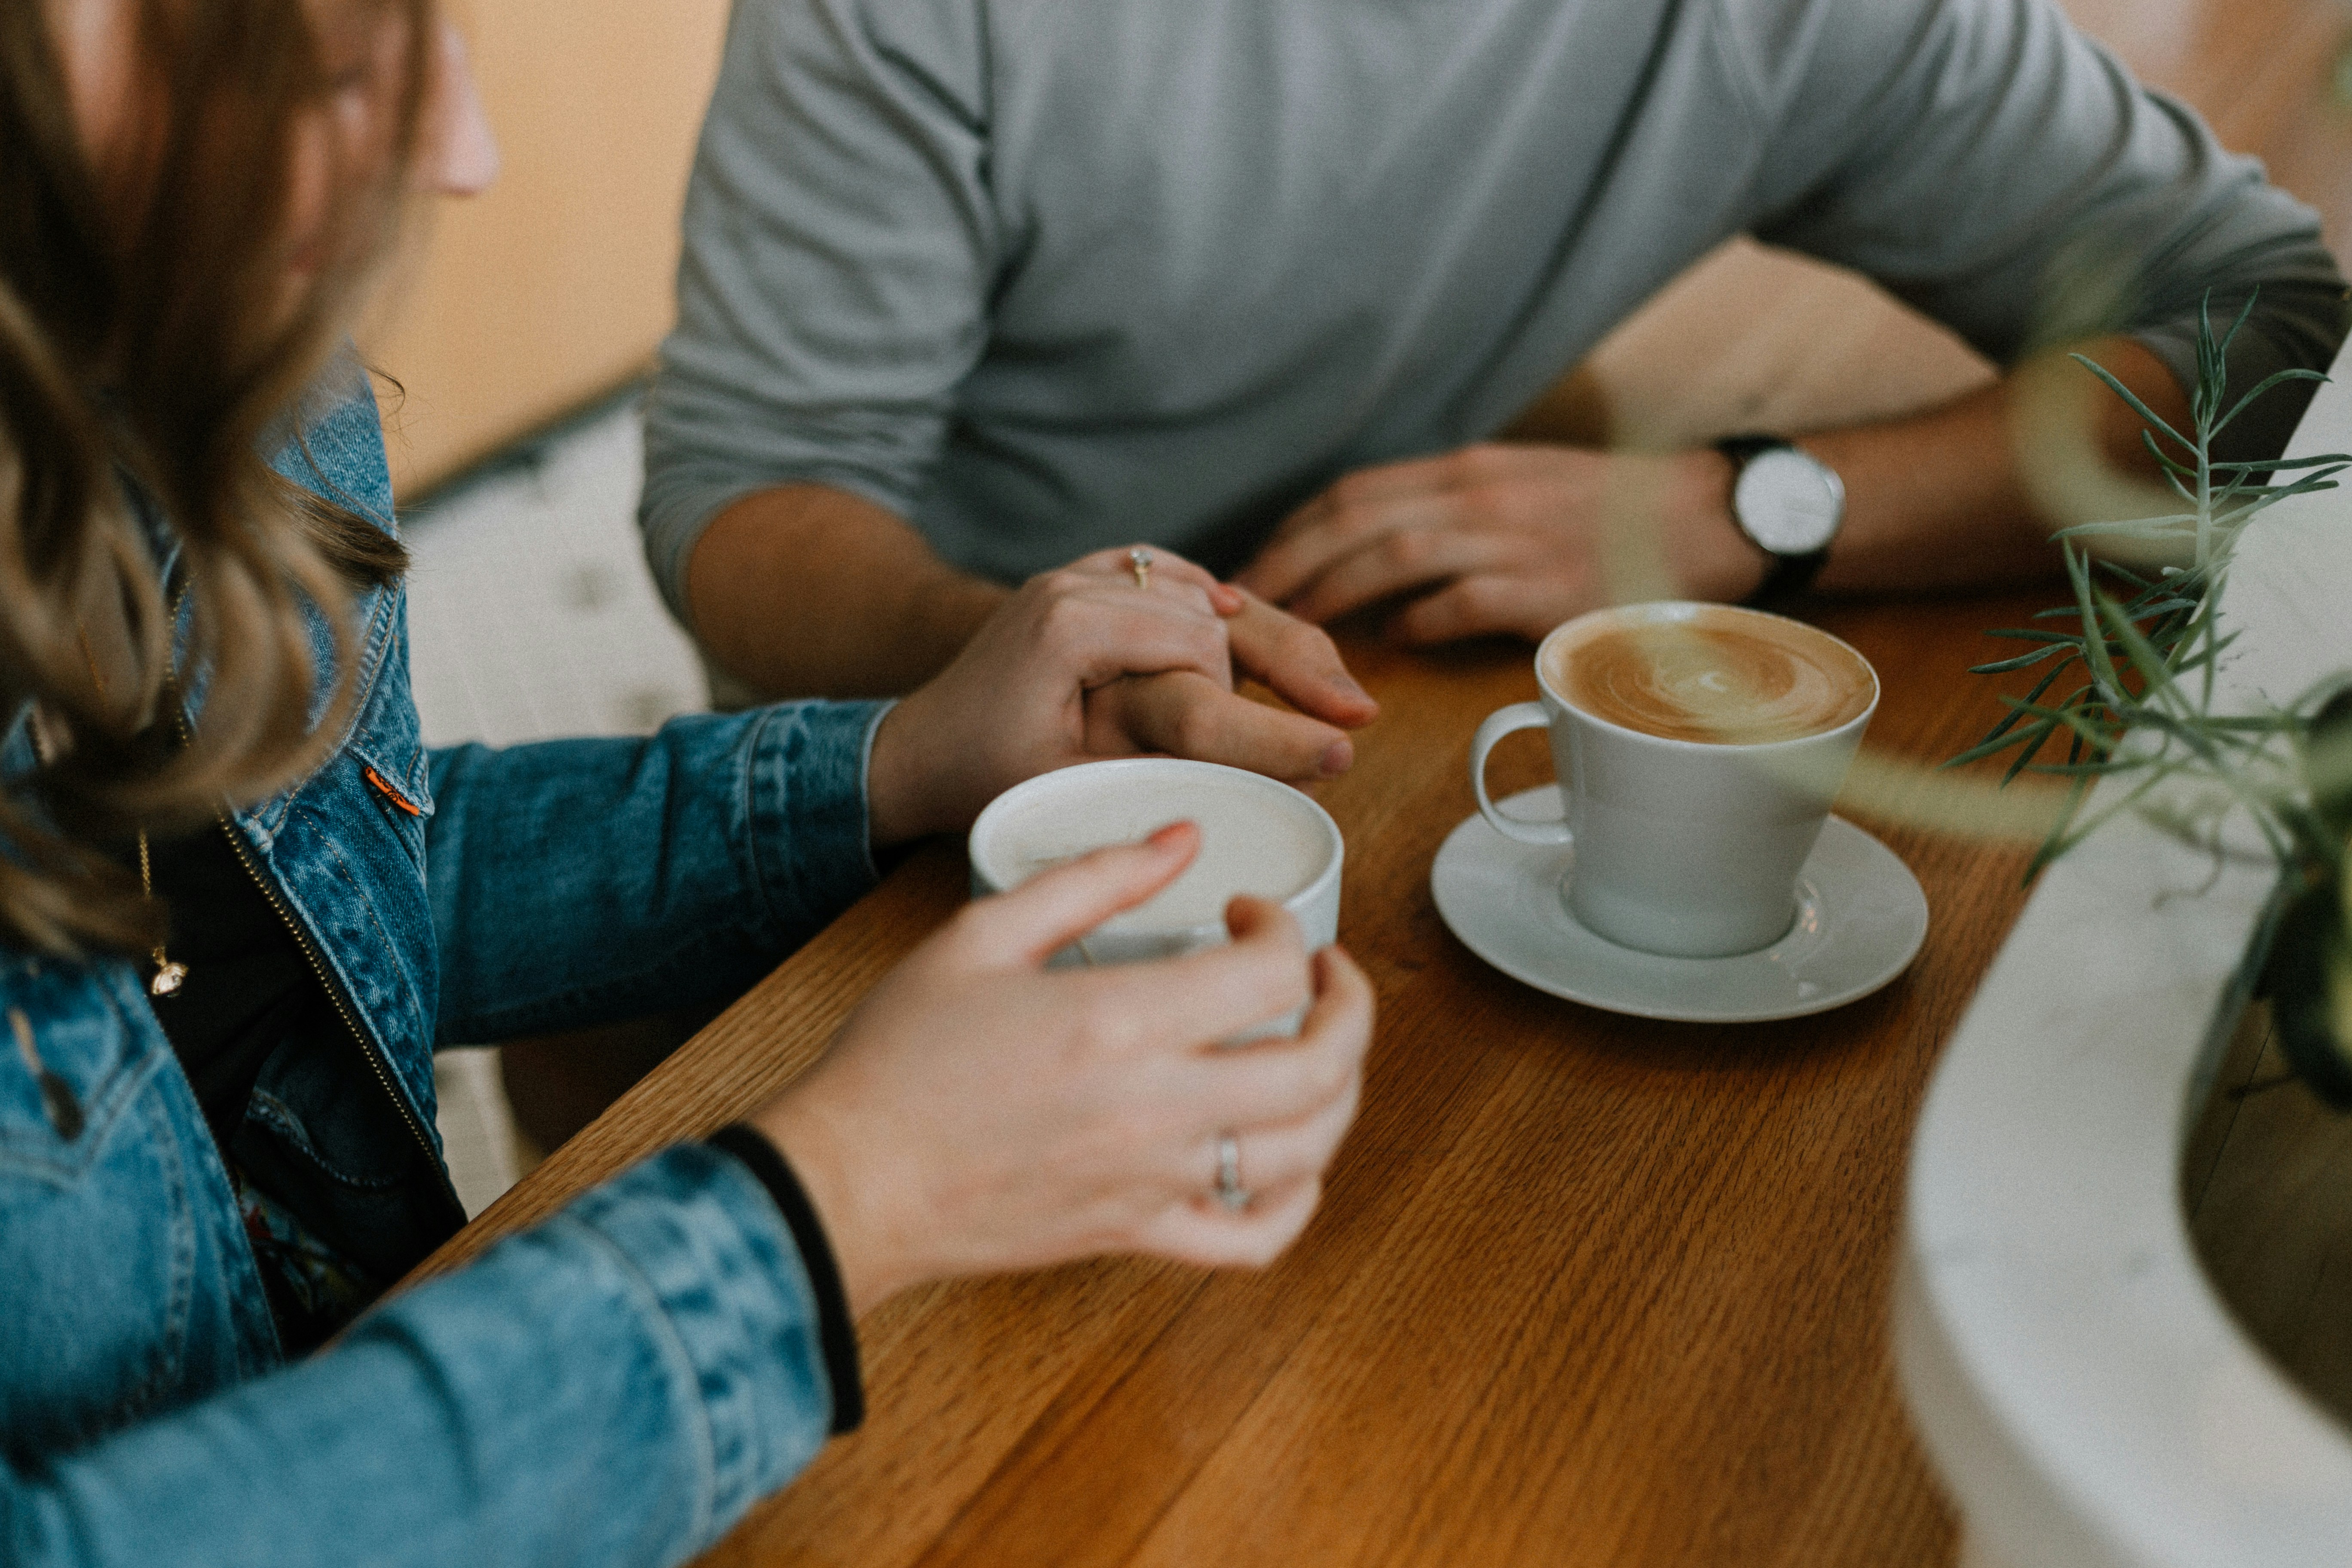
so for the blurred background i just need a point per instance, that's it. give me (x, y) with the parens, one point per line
(522, 322)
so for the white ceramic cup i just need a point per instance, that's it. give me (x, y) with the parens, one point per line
(1257, 836)
(1689, 848)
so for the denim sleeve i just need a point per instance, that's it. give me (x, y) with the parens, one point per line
(616, 1386)
(576, 882)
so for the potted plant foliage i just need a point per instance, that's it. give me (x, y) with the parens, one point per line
(2126, 692)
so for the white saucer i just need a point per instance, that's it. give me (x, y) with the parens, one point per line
(1861, 917)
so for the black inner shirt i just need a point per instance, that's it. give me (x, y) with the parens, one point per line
(248, 988)
(251, 999)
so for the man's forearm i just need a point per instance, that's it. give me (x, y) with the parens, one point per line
(808, 591)
(1963, 495)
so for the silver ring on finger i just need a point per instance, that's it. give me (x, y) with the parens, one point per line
(1229, 1189)
(1138, 561)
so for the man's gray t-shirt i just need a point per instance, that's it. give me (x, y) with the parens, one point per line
(1045, 276)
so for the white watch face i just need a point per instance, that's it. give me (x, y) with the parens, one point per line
(1790, 503)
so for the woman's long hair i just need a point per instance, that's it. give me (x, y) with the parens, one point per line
(154, 333)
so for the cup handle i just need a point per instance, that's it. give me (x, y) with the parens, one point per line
(1509, 722)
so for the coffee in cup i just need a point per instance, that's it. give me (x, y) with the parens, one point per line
(1258, 836)
(1721, 676)
(1699, 747)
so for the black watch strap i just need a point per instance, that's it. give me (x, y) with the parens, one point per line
(1786, 577)
(1739, 448)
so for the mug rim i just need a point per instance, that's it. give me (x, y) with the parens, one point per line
(1543, 683)
(992, 817)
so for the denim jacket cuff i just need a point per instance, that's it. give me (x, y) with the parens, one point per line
(812, 844)
(738, 1309)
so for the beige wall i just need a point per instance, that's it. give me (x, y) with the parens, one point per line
(554, 287)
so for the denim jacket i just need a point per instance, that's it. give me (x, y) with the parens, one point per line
(615, 1386)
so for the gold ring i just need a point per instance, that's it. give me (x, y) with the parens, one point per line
(1138, 561)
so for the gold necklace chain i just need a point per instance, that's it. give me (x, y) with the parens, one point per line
(169, 974)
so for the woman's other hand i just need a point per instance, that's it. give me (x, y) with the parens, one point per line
(979, 1114)
(1085, 663)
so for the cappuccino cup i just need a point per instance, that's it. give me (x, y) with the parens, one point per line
(1698, 747)
(1258, 836)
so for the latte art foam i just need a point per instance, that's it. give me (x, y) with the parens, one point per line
(1719, 676)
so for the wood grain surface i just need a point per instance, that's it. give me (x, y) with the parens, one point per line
(1584, 1289)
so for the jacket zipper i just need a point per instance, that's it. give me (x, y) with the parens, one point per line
(368, 1051)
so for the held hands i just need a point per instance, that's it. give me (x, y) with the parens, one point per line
(979, 1114)
(1505, 538)
(1083, 663)
(1181, 715)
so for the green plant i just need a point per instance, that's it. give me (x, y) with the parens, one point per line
(2127, 693)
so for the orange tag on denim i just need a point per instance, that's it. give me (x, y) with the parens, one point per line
(392, 795)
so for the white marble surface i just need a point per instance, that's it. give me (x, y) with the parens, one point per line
(2082, 1391)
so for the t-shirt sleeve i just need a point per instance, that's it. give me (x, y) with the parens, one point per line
(840, 240)
(1989, 164)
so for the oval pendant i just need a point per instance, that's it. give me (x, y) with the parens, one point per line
(167, 980)
(57, 1099)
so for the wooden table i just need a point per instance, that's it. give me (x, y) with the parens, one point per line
(1584, 1289)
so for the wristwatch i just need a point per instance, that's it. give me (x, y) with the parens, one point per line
(1789, 503)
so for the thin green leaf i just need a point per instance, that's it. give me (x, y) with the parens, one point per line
(2103, 666)
(2264, 385)
(2027, 633)
(2026, 754)
(2023, 661)
(2171, 464)
(2148, 415)
(2089, 770)
(2037, 733)
(2080, 829)
(2280, 465)
(1993, 745)
(2061, 839)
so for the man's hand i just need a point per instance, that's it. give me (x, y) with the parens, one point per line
(1509, 538)
(1082, 664)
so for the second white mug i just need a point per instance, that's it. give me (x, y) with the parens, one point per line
(1258, 836)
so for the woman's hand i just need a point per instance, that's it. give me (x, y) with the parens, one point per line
(979, 1114)
(1082, 663)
